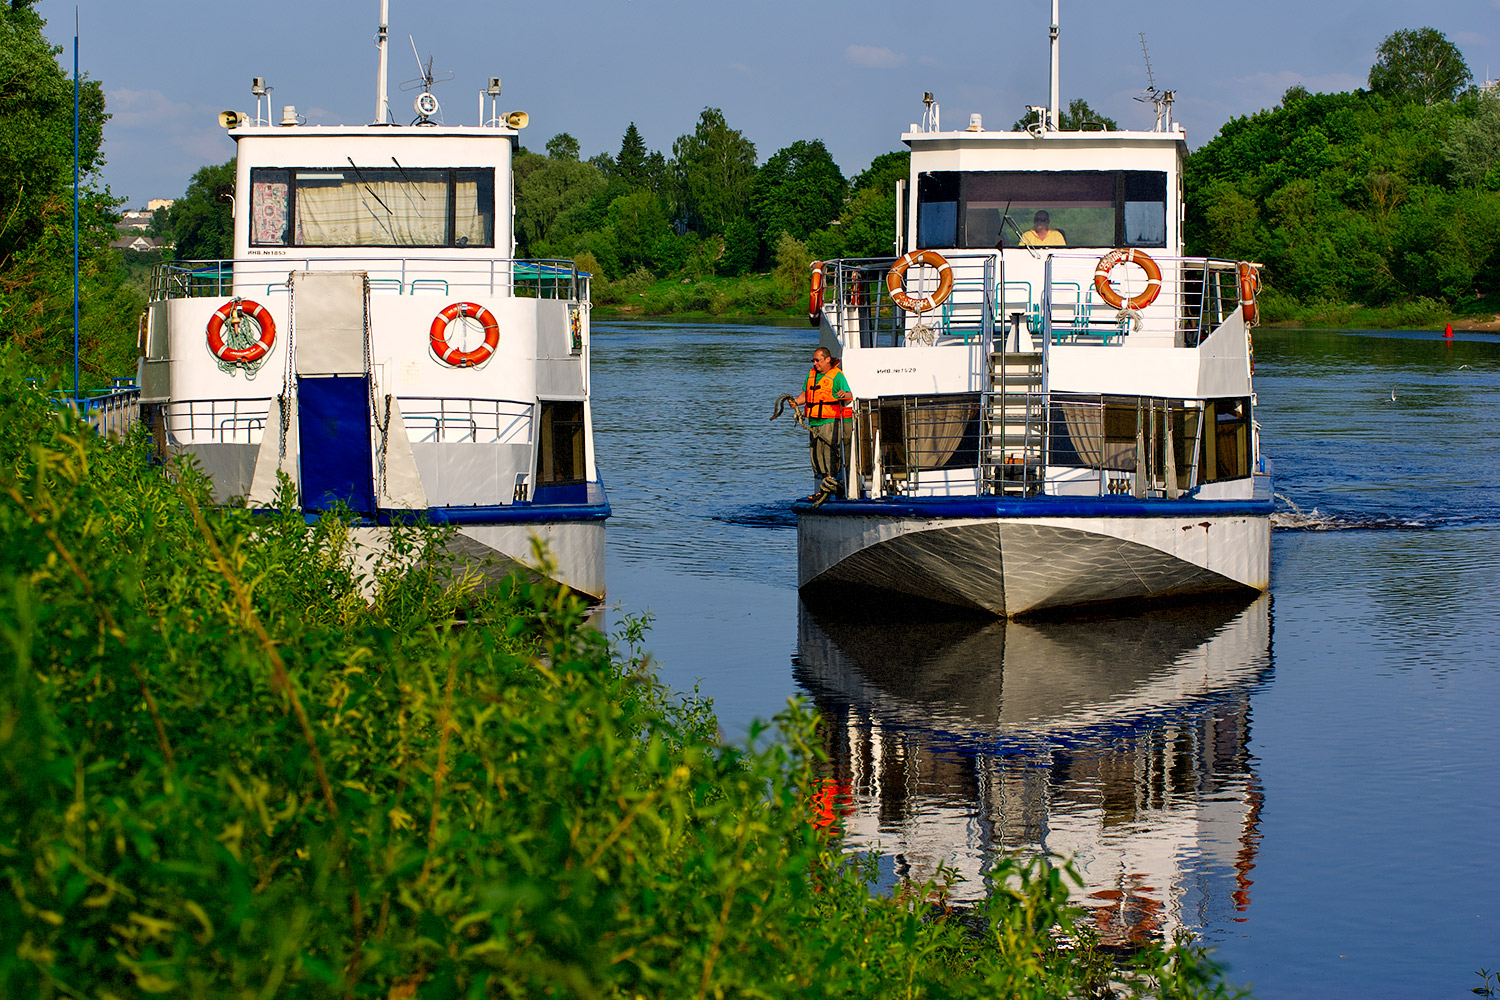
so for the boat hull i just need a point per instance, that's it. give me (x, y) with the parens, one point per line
(1007, 557)
(573, 551)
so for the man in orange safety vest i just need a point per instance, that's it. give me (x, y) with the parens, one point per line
(830, 420)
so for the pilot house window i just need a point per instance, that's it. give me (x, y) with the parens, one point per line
(984, 210)
(372, 207)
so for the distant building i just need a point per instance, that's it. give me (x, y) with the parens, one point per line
(134, 220)
(136, 243)
(156, 203)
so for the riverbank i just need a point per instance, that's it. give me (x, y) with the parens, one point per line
(1420, 314)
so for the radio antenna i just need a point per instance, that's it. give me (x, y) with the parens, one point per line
(1159, 99)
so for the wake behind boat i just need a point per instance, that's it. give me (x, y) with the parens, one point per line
(1053, 404)
(374, 341)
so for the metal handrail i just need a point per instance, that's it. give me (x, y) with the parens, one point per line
(543, 279)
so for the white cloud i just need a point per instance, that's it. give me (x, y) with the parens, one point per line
(873, 57)
(145, 109)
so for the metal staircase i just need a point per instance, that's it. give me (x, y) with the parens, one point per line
(1016, 423)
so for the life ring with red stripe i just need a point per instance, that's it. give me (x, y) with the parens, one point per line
(815, 294)
(1249, 288)
(451, 355)
(895, 281)
(1129, 255)
(235, 312)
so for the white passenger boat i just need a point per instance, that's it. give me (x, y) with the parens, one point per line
(1044, 418)
(374, 341)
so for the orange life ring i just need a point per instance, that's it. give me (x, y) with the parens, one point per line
(815, 294)
(1130, 255)
(1249, 287)
(895, 281)
(234, 312)
(450, 355)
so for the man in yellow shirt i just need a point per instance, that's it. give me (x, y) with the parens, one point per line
(1041, 233)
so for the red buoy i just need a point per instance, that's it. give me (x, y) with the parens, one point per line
(1448, 331)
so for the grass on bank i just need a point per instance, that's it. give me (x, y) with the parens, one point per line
(225, 770)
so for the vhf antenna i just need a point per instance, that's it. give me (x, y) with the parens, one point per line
(1160, 99)
(426, 105)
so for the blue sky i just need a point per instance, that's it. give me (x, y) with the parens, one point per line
(849, 74)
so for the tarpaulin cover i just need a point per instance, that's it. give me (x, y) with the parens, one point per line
(334, 426)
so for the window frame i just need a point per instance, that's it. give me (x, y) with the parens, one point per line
(486, 184)
(933, 183)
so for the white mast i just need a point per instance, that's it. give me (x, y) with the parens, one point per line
(1052, 119)
(382, 104)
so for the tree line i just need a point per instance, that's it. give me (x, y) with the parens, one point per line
(1379, 196)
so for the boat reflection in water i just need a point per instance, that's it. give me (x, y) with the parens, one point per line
(1118, 741)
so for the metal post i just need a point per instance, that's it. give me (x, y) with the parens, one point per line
(75, 203)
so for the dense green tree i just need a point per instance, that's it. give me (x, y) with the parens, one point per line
(1352, 198)
(562, 146)
(1473, 145)
(201, 222)
(547, 187)
(798, 190)
(714, 167)
(741, 247)
(1419, 65)
(867, 225)
(641, 230)
(630, 163)
(36, 211)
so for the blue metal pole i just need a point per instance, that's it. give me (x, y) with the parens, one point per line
(75, 203)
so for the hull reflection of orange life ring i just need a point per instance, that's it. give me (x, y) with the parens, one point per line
(1109, 261)
(451, 355)
(1249, 287)
(895, 281)
(234, 313)
(815, 294)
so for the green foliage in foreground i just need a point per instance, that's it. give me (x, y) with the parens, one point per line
(226, 771)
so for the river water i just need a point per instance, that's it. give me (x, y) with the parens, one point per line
(1309, 780)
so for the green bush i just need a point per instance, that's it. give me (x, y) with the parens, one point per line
(231, 766)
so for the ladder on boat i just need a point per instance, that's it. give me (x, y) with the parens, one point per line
(1016, 418)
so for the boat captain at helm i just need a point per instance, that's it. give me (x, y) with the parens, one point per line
(830, 420)
(1041, 233)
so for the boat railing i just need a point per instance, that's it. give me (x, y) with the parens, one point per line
(1031, 443)
(1195, 296)
(917, 445)
(859, 305)
(539, 279)
(216, 421)
(111, 411)
(447, 420)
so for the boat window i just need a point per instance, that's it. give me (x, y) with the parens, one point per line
(922, 433)
(1126, 434)
(937, 210)
(1145, 214)
(372, 207)
(559, 460)
(983, 210)
(1226, 445)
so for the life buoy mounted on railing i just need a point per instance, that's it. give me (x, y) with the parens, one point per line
(1127, 255)
(450, 354)
(815, 294)
(235, 313)
(1249, 289)
(895, 281)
